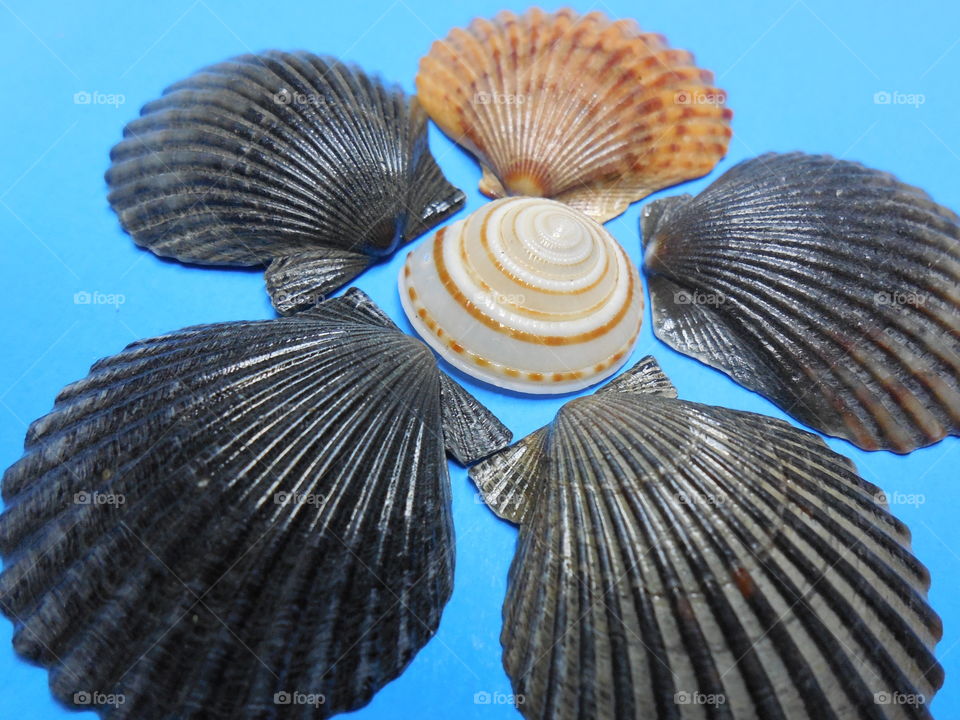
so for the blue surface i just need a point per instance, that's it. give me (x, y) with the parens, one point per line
(800, 75)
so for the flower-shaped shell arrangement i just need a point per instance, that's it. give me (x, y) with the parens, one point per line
(527, 294)
(235, 511)
(582, 109)
(289, 160)
(670, 550)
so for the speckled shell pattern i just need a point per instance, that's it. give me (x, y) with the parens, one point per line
(830, 288)
(241, 520)
(527, 294)
(290, 160)
(580, 108)
(679, 560)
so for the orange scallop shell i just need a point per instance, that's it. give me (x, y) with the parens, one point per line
(579, 108)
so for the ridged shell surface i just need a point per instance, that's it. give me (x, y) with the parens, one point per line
(828, 287)
(579, 108)
(678, 560)
(243, 520)
(527, 294)
(289, 160)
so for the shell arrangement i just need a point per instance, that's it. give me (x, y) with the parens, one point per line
(289, 160)
(671, 549)
(582, 109)
(831, 288)
(527, 294)
(230, 500)
(224, 515)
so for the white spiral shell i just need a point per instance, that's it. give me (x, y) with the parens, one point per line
(527, 294)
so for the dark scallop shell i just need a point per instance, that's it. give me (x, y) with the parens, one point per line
(289, 160)
(242, 520)
(679, 560)
(828, 287)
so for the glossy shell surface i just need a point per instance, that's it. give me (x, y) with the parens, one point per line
(527, 294)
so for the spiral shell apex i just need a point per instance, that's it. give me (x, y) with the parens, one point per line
(527, 294)
(579, 108)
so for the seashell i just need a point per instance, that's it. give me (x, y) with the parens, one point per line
(683, 560)
(579, 108)
(221, 519)
(830, 288)
(287, 160)
(527, 294)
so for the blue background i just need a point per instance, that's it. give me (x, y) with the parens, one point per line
(801, 74)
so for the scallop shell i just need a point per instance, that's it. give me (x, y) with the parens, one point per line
(527, 294)
(683, 560)
(241, 520)
(289, 160)
(828, 287)
(582, 109)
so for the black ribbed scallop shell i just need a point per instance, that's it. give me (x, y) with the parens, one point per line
(678, 560)
(828, 287)
(232, 521)
(289, 160)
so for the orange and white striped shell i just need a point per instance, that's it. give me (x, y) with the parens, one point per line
(527, 294)
(582, 109)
